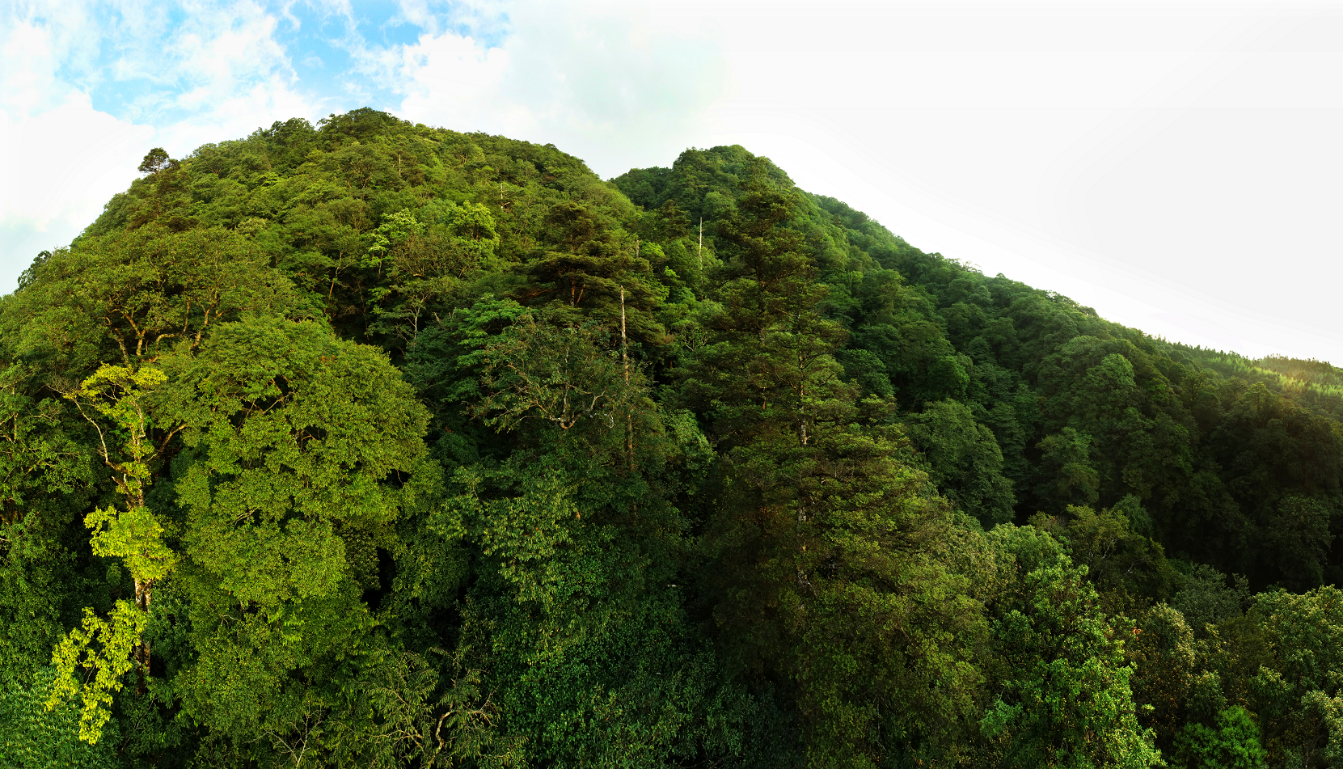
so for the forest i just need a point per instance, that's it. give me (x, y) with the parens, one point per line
(373, 444)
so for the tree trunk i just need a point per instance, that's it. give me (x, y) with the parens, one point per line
(143, 594)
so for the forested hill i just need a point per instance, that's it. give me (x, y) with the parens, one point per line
(372, 444)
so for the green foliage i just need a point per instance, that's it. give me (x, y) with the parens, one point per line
(407, 447)
(103, 648)
(559, 375)
(1122, 563)
(1205, 597)
(33, 736)
(1233, 744)
(965, 460)
(131, 295)
(1167, 667)
(36, 455)
(293, 432)
(45, 471)
(824, 541)
(1066, 698)
(136, 537)
(119, 394)
(1066, 463)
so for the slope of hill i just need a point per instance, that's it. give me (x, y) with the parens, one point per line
(374, 444)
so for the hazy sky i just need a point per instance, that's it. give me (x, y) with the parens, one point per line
(1177, 166)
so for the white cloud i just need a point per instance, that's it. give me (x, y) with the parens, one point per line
(453, 81)
(477, 17)
(30, 64)
(1172, 164)
(1173, 167)
(225, 48)
(218, 76)
(608, 82)
(58, 169)
(44, 46)
(239, 113)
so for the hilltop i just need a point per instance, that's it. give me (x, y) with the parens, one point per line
(417, 447)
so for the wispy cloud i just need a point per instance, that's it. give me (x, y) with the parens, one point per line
(141, 60)
(1106, 150)
(88, 88)
(609, 82)
(57, 169)
(483, 20)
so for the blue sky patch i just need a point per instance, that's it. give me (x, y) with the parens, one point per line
(139, 69)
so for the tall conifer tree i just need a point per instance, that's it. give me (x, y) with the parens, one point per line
(825, 574)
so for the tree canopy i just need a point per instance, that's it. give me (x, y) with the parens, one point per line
(367, 443)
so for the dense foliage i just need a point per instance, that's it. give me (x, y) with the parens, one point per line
(374, 444)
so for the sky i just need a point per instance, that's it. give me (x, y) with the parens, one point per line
(1178, 166)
